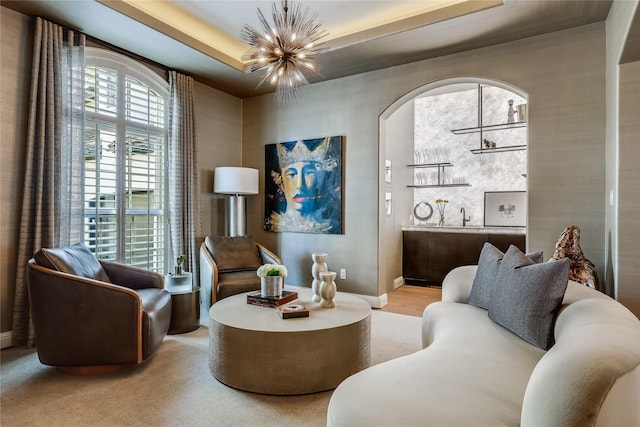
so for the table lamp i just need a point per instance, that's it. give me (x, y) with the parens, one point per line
(237, 182)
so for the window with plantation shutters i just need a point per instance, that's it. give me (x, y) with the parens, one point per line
(125, 157)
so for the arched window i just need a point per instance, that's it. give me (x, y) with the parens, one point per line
(125, 160)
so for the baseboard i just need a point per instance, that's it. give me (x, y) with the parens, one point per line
(374, 302)
(6, 339)
(397, 282)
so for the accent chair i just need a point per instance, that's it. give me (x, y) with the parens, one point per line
(91, 316)
(228, 266)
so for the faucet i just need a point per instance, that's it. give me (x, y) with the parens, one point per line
(464, 217)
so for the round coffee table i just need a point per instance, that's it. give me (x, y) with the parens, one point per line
(251, 348)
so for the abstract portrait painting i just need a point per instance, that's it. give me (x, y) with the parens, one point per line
(303, 186)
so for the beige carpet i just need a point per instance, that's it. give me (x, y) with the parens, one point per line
(173, 388)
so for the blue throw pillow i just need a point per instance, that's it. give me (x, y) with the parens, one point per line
(487, 273)
(527, 296)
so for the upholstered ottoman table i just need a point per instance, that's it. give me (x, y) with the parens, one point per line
(251, 348)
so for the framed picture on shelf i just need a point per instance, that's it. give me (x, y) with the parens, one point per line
(505, 208)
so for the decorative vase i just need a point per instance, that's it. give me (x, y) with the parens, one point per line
(178, 282)
(271, 286)
(319, 266)
(328, 289)
(442, 205)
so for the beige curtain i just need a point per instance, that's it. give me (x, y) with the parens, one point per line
(53, 197)
(184, 200)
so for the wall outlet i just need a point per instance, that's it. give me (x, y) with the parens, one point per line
(343, 273)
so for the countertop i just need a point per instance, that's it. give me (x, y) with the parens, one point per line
(470, 229)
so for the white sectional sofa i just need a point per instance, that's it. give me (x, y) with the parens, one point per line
(474, 372)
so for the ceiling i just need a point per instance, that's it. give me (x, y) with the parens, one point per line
(201, 37)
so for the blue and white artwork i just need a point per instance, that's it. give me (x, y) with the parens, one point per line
(303, 186)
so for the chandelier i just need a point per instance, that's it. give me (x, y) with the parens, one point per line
(284, 49)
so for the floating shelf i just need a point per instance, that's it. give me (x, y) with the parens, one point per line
(501, 126)
(440, 166)
(499, 149)
(437, 185)
(430, 165)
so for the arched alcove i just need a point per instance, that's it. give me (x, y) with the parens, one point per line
(450, 139)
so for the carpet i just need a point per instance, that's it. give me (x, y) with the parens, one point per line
(173, 388)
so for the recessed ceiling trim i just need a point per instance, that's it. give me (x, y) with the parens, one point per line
(174, 22)
(439, 14)
(169, 19)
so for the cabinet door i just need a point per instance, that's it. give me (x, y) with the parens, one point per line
(415, 253)
(503, 241)
(427, 257)
(450, 250)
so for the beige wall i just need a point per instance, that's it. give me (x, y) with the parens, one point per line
(628, 278)
(349, 107)
(564, 76)
(15, 48)
(396, 144)
(219, 136)
(621, 233)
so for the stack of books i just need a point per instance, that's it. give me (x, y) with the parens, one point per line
(255, 298)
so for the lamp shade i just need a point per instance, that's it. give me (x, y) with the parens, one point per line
(235, 180)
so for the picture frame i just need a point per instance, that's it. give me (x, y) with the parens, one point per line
(505, 208)
(304, 186)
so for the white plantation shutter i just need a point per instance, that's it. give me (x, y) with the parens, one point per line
(125, 157)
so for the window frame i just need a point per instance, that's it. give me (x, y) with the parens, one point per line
(129, 67)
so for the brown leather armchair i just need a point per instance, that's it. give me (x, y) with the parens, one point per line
(228, 266)
(93, 316)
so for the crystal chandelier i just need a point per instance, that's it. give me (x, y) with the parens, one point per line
(283, 49)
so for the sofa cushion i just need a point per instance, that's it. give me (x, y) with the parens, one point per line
(487, 273)
(75, 259)
(471, 373)
(527, 296)
(234, 253)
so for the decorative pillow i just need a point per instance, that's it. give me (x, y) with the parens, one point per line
(487, 273)
(76, 259)
(527, 296)
(234, 253)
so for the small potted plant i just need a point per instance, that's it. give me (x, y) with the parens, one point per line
(179, 262)
(271, 279)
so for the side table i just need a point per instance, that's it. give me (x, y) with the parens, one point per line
(185, 303)
(185, 311)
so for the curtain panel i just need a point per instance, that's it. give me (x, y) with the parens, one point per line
(184, 200)
(53, 189)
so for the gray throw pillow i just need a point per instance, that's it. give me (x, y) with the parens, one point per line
(487, 273)
(527, 296)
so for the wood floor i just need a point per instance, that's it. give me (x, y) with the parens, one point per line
(411, 300)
